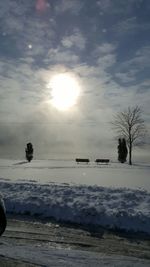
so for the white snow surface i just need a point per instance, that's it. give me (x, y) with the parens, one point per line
(67, 171)
(31, 188)
(45, 256)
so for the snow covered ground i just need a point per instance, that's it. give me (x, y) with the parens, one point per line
(65, 171)
(113, 196)
(41, 256)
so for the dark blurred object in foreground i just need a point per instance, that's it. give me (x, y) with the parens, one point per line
(3, 220)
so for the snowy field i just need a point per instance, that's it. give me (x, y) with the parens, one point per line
(59, 171)
(113, 196)
(40, 256)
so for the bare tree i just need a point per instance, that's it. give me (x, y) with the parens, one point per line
(130, 125)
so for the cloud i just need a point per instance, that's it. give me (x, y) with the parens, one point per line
(61, 56)
(68, 6)
(104, 5)
(107, 61)
(39, 35)
(126, 77)
(139, 62)
(13, 14)
(142, 57)
(130, 26)
(117, 7)
(105, 55)
(105, 48)
(127, 25)
(25, 30)
(21, 90)
(74, 40)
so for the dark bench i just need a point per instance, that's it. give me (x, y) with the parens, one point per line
(78, 160)
(102, 161)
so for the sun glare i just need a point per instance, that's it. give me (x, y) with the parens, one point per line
(64, 91)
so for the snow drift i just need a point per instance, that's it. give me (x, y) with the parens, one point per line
(121, 208)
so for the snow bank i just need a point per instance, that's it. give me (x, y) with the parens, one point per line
(120, 208)
(43, 256)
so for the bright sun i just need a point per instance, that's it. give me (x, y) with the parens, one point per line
(64, 91)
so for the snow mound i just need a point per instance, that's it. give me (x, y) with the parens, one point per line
(121, 208)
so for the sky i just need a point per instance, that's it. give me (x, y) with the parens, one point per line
(104, 45)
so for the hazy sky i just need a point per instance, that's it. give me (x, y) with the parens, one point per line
(104, 45)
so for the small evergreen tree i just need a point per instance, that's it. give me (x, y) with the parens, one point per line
(29, 152)
(119, 150)
(122, 150)
(125, 150)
